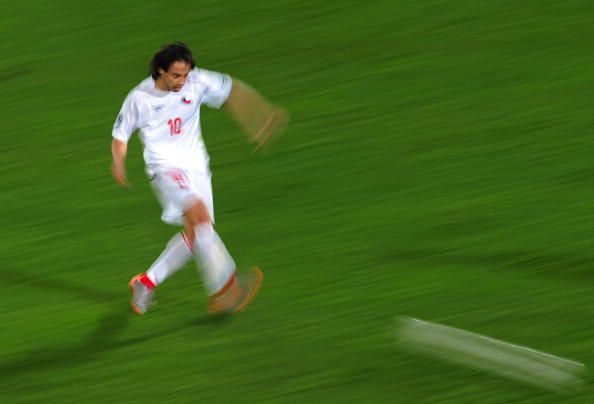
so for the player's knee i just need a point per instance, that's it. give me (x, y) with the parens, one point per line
(197, 214)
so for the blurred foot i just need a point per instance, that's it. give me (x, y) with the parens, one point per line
(237, 294)
(142, 293)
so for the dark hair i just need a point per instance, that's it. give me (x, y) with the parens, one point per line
(173, 52)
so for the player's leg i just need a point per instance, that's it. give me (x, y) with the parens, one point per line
(178, 250)
(228, 292)
(176, 254)
(214, 261)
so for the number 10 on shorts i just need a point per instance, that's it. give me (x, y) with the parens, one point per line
(174, 126)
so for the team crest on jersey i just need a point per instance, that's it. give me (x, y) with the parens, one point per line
(186, 100)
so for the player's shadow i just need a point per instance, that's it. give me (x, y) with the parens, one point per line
(113, 325)
(108, 334)
(13, 72)
(106, 337)
(79, 291)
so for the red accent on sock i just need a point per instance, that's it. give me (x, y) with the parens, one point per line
(225, 288)
(188, 244)
(147, 281)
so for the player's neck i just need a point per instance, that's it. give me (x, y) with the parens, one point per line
(160, 85)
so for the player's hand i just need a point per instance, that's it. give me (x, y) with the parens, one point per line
(118, 172)
(273, 125)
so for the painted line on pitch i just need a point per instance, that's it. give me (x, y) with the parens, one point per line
(478, 351)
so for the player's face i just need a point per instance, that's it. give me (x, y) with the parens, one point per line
(174, 78)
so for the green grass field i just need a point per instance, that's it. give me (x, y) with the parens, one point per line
(439, 164)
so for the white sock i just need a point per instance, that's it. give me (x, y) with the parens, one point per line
(173, 258)
(214, 261)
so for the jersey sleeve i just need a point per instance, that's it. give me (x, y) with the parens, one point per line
(218, 87)
(127, 120)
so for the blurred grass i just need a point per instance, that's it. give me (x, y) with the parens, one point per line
(438, 165)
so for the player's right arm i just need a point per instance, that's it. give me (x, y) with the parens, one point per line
(125, 125)
(119, 150)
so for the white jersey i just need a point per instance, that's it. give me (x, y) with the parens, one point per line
(169, 122)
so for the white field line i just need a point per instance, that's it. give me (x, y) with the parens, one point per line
(517, 362)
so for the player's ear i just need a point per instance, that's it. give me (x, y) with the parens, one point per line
(161, 71)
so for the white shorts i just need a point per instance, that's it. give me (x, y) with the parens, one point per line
(177, 189)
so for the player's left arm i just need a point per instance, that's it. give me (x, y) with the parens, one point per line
(259, 118)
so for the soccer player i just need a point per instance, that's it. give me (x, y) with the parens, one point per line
(165, 108)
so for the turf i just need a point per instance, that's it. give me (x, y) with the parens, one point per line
(438, 165)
